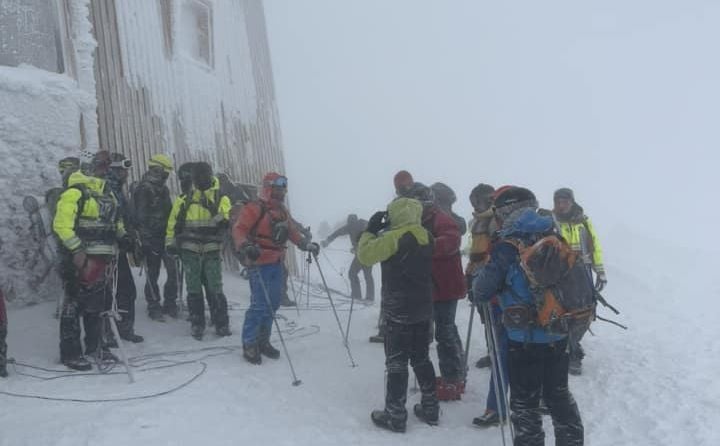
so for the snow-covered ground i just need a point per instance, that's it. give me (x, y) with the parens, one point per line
(651, 385)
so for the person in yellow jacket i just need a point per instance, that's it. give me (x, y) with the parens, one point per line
(577, 229)
(196, 228)
(89, 226)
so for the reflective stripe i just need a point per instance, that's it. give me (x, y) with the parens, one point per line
(100, 248)
(95, 224)
(200, 247)
(200, 224)
(72, 243)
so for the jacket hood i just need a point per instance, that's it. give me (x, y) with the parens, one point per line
(268, 179)
(95, 184)
(404, 212)
(525, 221)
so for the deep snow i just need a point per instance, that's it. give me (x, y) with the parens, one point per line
(651, 385)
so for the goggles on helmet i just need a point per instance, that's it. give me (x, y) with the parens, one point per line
(124, 164)
(279, 182)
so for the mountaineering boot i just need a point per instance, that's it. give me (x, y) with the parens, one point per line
(488, 419)
(286, 302)
(78, 363)
(575, 366)
(155, 314)
(383, 419)
(103, 355)
(483, 362)
(130, 337)
(219, 315)
(264, 344)
(3, 371)
(377, 339)
(251, 353)
(447, 391)
(171, 309)
(196, 308)
(429, 416)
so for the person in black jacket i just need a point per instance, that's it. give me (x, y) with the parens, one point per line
(354, 229)
(152, 208)
(405, 250)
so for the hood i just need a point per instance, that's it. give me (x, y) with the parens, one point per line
(266, 192)
(95, 184)
(524, 222)
(404, 212)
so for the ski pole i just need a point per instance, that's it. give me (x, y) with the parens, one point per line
(268, 302)
(307, 280)
(493, 363)
(337, 318)
(180, 277)
(467, 339)
(288, 278)
(113, 315)
(500, 368)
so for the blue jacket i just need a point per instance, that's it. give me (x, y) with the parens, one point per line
(503, 276)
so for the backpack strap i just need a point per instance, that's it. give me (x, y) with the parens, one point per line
(182, 215)
(263, 210)
(84, 195)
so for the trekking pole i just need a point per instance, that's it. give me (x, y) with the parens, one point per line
(489, 334)
(467, 339)
(292, 287)
(113, 315)
(268, 302)
(347, 329)
(337, 318)
(180, 277)
(498, 368)
(307, 280)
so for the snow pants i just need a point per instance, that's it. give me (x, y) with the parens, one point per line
(403, 343)
(3, 334)
(155, 257)
(353, 276)
(86, 301)
(541, 370)
(263, 278)
(126, 295)
(449, 345)
(205, 270)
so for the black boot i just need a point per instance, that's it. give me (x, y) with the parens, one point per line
(3, 371)
(428, 415)
(155, 313)
(78, 363)
(131, 337)
(196, 308)
(264, 344)
(488, 419)
(483, 362)
(251, 353)
(170, 308)
(383, 419)
(220, 315)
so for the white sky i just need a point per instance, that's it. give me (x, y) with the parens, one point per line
(618, 99)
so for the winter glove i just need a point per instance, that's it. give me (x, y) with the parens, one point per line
(376, 224)
(600, 281)
(312, 248)
(249, 251)
(172, 250)
(80, 259)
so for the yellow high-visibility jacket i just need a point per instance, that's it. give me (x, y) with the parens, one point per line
(203, 226)
(572, 233)
(87, 216)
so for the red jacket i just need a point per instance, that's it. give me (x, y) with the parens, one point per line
(255, 224)
(447, 271)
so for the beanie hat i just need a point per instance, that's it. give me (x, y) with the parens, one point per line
(564, 192)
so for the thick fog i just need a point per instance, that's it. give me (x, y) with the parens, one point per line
(619, 100)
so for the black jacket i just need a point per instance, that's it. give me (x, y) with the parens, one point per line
(152, 207)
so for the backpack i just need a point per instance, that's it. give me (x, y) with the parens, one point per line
(563, 294)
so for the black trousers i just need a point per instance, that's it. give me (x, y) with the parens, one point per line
(403, 343)
(3, 332)
(126, 295)
(542, 370)
(449, 345)
(155, 257)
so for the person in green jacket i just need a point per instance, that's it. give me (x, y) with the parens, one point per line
(404, 250)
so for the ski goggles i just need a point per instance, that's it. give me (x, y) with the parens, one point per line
(279, 182)
(124, 164)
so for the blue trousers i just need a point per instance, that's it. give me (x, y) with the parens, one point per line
(259, 315)
(502, 343)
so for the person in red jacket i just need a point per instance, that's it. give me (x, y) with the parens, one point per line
(449, 287)
(260, 234)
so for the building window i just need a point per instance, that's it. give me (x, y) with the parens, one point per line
(197, 31)
(30, 34)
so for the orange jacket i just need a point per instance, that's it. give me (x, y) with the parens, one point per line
(255, 224)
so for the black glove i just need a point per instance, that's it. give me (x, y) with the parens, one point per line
(172, 250)
(248, 251)
(125, 243)
(376, 223)
(312, 248)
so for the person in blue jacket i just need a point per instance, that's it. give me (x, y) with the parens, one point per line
(537, 360)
